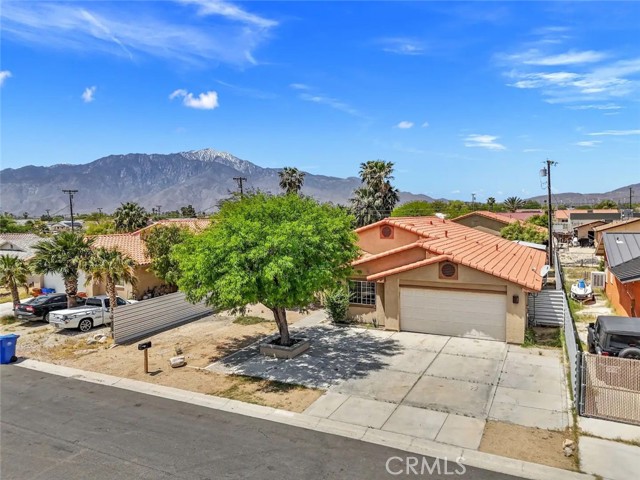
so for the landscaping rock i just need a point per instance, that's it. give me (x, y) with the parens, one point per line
(568, 443)
(176, 362)
(91, 341)
(568, 451)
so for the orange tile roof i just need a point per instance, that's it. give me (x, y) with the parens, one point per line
(194, 224)
(126, 243)
(410, 266)
(473, 248)
(564, 214)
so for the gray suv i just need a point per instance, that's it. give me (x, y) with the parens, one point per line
(615, 336)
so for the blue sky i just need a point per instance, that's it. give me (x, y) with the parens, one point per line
(463, 97)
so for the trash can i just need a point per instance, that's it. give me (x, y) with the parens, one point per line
(8, 348)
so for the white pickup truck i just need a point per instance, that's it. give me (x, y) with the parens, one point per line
(94, 312)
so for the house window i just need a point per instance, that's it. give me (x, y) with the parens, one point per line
(362, 293)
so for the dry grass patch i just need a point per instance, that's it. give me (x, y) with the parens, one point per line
(528, 444)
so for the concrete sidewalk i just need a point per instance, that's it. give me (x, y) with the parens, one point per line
(408, 443)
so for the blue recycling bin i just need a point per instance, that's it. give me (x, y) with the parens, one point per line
(8, 348)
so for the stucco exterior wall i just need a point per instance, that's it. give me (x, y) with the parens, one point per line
(623, 296)
(392, 261)
(388, 306)
(144, 278)
(583, 230)
(481, 223)
(370, 241)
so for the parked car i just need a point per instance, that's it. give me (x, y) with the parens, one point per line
(39, 308)
(615, 336)
(94, 312)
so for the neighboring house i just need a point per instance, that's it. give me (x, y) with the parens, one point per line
(195, 225)
(65, 226)
(21, 245)
(586, 230)
(568, 220)
(622, 266)
(631, 225)
(493, 222)
(425, 274)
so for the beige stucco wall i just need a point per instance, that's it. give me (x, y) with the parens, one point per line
(583, 230)
(392, 261)
(388, 304)
(481, 223)
(145, 280)
(370, 241)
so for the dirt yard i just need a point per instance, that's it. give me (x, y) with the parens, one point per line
(201, 342)
(527, 444)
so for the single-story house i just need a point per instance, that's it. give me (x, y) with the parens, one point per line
(21, 245)
(195, 225)
(586, 230)
(492, 222)
(622, 267)
(632, 225)
(568, 220)
(65, 226)
(429, 275)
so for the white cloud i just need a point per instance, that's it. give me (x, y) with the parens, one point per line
(4, 74)
(607, 106)
(227, 35)
(455, 191)
(331, 102)
(204, 101)
(299, 86)
(404, 124)
(425, 125)
(88, 94)
(615, 133)
(572, 57)
(588, 143)
(483, 141)
(402, 46)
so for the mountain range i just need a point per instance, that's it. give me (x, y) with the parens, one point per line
(199, 177)
(619, 195)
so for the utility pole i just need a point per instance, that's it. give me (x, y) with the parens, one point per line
(48, 216)
(473, 201)
(630, 197)
(158, 209)
(70, 193)
(550, 163)
(240, 185)
(100, 210)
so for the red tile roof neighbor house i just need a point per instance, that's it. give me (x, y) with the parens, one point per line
(446, 240)
(195, 225)
(126, 243)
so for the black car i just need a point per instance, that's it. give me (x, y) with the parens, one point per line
(38, 308)
(615, 336)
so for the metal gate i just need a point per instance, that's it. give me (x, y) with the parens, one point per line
(611, 388)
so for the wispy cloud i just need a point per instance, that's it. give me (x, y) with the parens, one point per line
(299, 86)
(4, 74)
(572, 57)
(402, 46)
(212, 31)
(588, 143)
(88, 94)
(605, 106)
(248, 92)
(616, 133)
(204, 101)
(425, 125)
(405, 124)
(331, 102)
(483, 141)
(455, 191)
(531, 150)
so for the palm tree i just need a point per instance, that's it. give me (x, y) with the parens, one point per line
(377, 197)
(291, 180)
(130, 217)
(491, 202)
(111, 267)
(63, 254)
(513, 203)
(14, 273)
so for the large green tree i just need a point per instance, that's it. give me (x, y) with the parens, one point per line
(8, 224)
(274, 250)
(158, 241)
(491, 201)
(513, 203)
(14, 273)
(376, 198)
(523, 232)
(111, 267)
(606, 204)
(417, 208)
(63, 254)
(291, 180)
(130, 217)
(188, 211)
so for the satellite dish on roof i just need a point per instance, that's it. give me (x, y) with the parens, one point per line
(544, 270)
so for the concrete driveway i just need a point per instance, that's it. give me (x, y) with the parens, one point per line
(436, 387)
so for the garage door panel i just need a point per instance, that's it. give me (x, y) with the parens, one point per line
(453, 312)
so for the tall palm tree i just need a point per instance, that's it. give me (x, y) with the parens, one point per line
(513, 203)
(130, 217)
(377, 197)
(63, 254)
(111, 267)
(291, 180)
(491, 202)
(14, 273)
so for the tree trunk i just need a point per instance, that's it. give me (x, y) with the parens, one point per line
(280, 314)
(111, 291)
(14, 291)
(71, 289)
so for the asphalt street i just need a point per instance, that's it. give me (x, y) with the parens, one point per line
(59, 428)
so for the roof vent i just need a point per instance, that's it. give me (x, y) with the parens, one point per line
(386, 231)
(446, 234)
(496, 247)
(448, 270)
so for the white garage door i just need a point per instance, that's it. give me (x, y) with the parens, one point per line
(453, 312)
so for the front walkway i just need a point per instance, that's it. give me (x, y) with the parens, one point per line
(426, 386)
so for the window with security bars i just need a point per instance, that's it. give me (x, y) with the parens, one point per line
(362, 293)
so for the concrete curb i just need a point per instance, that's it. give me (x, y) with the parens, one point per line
(420, 446)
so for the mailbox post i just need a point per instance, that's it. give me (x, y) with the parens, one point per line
(145, 346)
